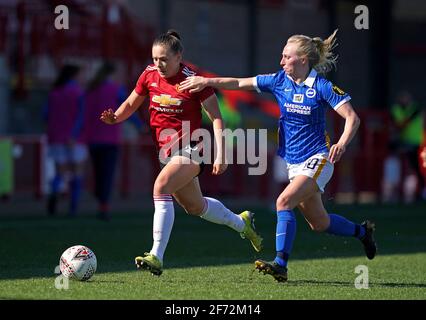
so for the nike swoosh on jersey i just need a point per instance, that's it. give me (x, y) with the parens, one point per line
(280, 234)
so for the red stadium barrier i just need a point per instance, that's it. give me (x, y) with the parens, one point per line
(363, 161)
(359, 172)
(29, 154)
(91, 35)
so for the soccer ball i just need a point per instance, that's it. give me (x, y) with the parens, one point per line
(78, 263)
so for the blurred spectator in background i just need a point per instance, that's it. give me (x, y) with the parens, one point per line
(422, 153)
(391, 174)
(64, 116)
(407, 119)
(104, 140)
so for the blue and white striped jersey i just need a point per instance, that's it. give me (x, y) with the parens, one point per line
(302, 131)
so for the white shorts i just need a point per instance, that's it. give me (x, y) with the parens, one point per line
(64, 153)
(316, 167)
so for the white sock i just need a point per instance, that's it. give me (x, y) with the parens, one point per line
(164, 217)
(214, 211)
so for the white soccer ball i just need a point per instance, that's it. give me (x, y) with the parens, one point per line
(78, 263)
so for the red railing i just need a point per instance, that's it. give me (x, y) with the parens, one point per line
(362, 164)
(360, 171)
(91, 35)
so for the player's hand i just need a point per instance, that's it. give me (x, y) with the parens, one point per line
(219, 168)
(193, 84)
(336, 152)
(108, 116)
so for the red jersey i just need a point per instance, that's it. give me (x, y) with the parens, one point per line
(169, 107)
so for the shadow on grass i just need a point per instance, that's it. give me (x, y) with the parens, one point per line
(351, 284)
(106, 281)
(31, 248)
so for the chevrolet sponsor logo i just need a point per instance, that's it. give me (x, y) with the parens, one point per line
(166, 100)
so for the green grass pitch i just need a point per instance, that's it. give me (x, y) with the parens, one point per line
(207, 261)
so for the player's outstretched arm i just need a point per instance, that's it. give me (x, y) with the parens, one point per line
(351, 126)
(211, 106)
(197, 83)
(127, 108)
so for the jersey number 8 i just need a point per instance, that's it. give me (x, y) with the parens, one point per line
(311, 164)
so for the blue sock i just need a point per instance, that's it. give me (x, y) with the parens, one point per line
(341, 226)
(75, 185)
(286, 232)
(55, 184)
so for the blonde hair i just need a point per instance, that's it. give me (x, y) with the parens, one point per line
(318, 51)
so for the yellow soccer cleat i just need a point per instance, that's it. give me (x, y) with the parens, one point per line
(249, 231)
(149, 262)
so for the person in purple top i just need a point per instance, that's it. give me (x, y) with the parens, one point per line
(104, 140)
(64, 116)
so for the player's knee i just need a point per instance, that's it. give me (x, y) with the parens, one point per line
(284, 202)
(319, 226)
(193, 210)
(161, 185)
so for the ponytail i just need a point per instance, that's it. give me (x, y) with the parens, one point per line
(318, 51)
(327, 59)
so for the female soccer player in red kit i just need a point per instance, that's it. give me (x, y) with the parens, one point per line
(179, 177)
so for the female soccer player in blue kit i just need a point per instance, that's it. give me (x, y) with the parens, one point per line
(303, 96)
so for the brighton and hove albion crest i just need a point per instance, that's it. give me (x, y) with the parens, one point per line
(310, 93)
